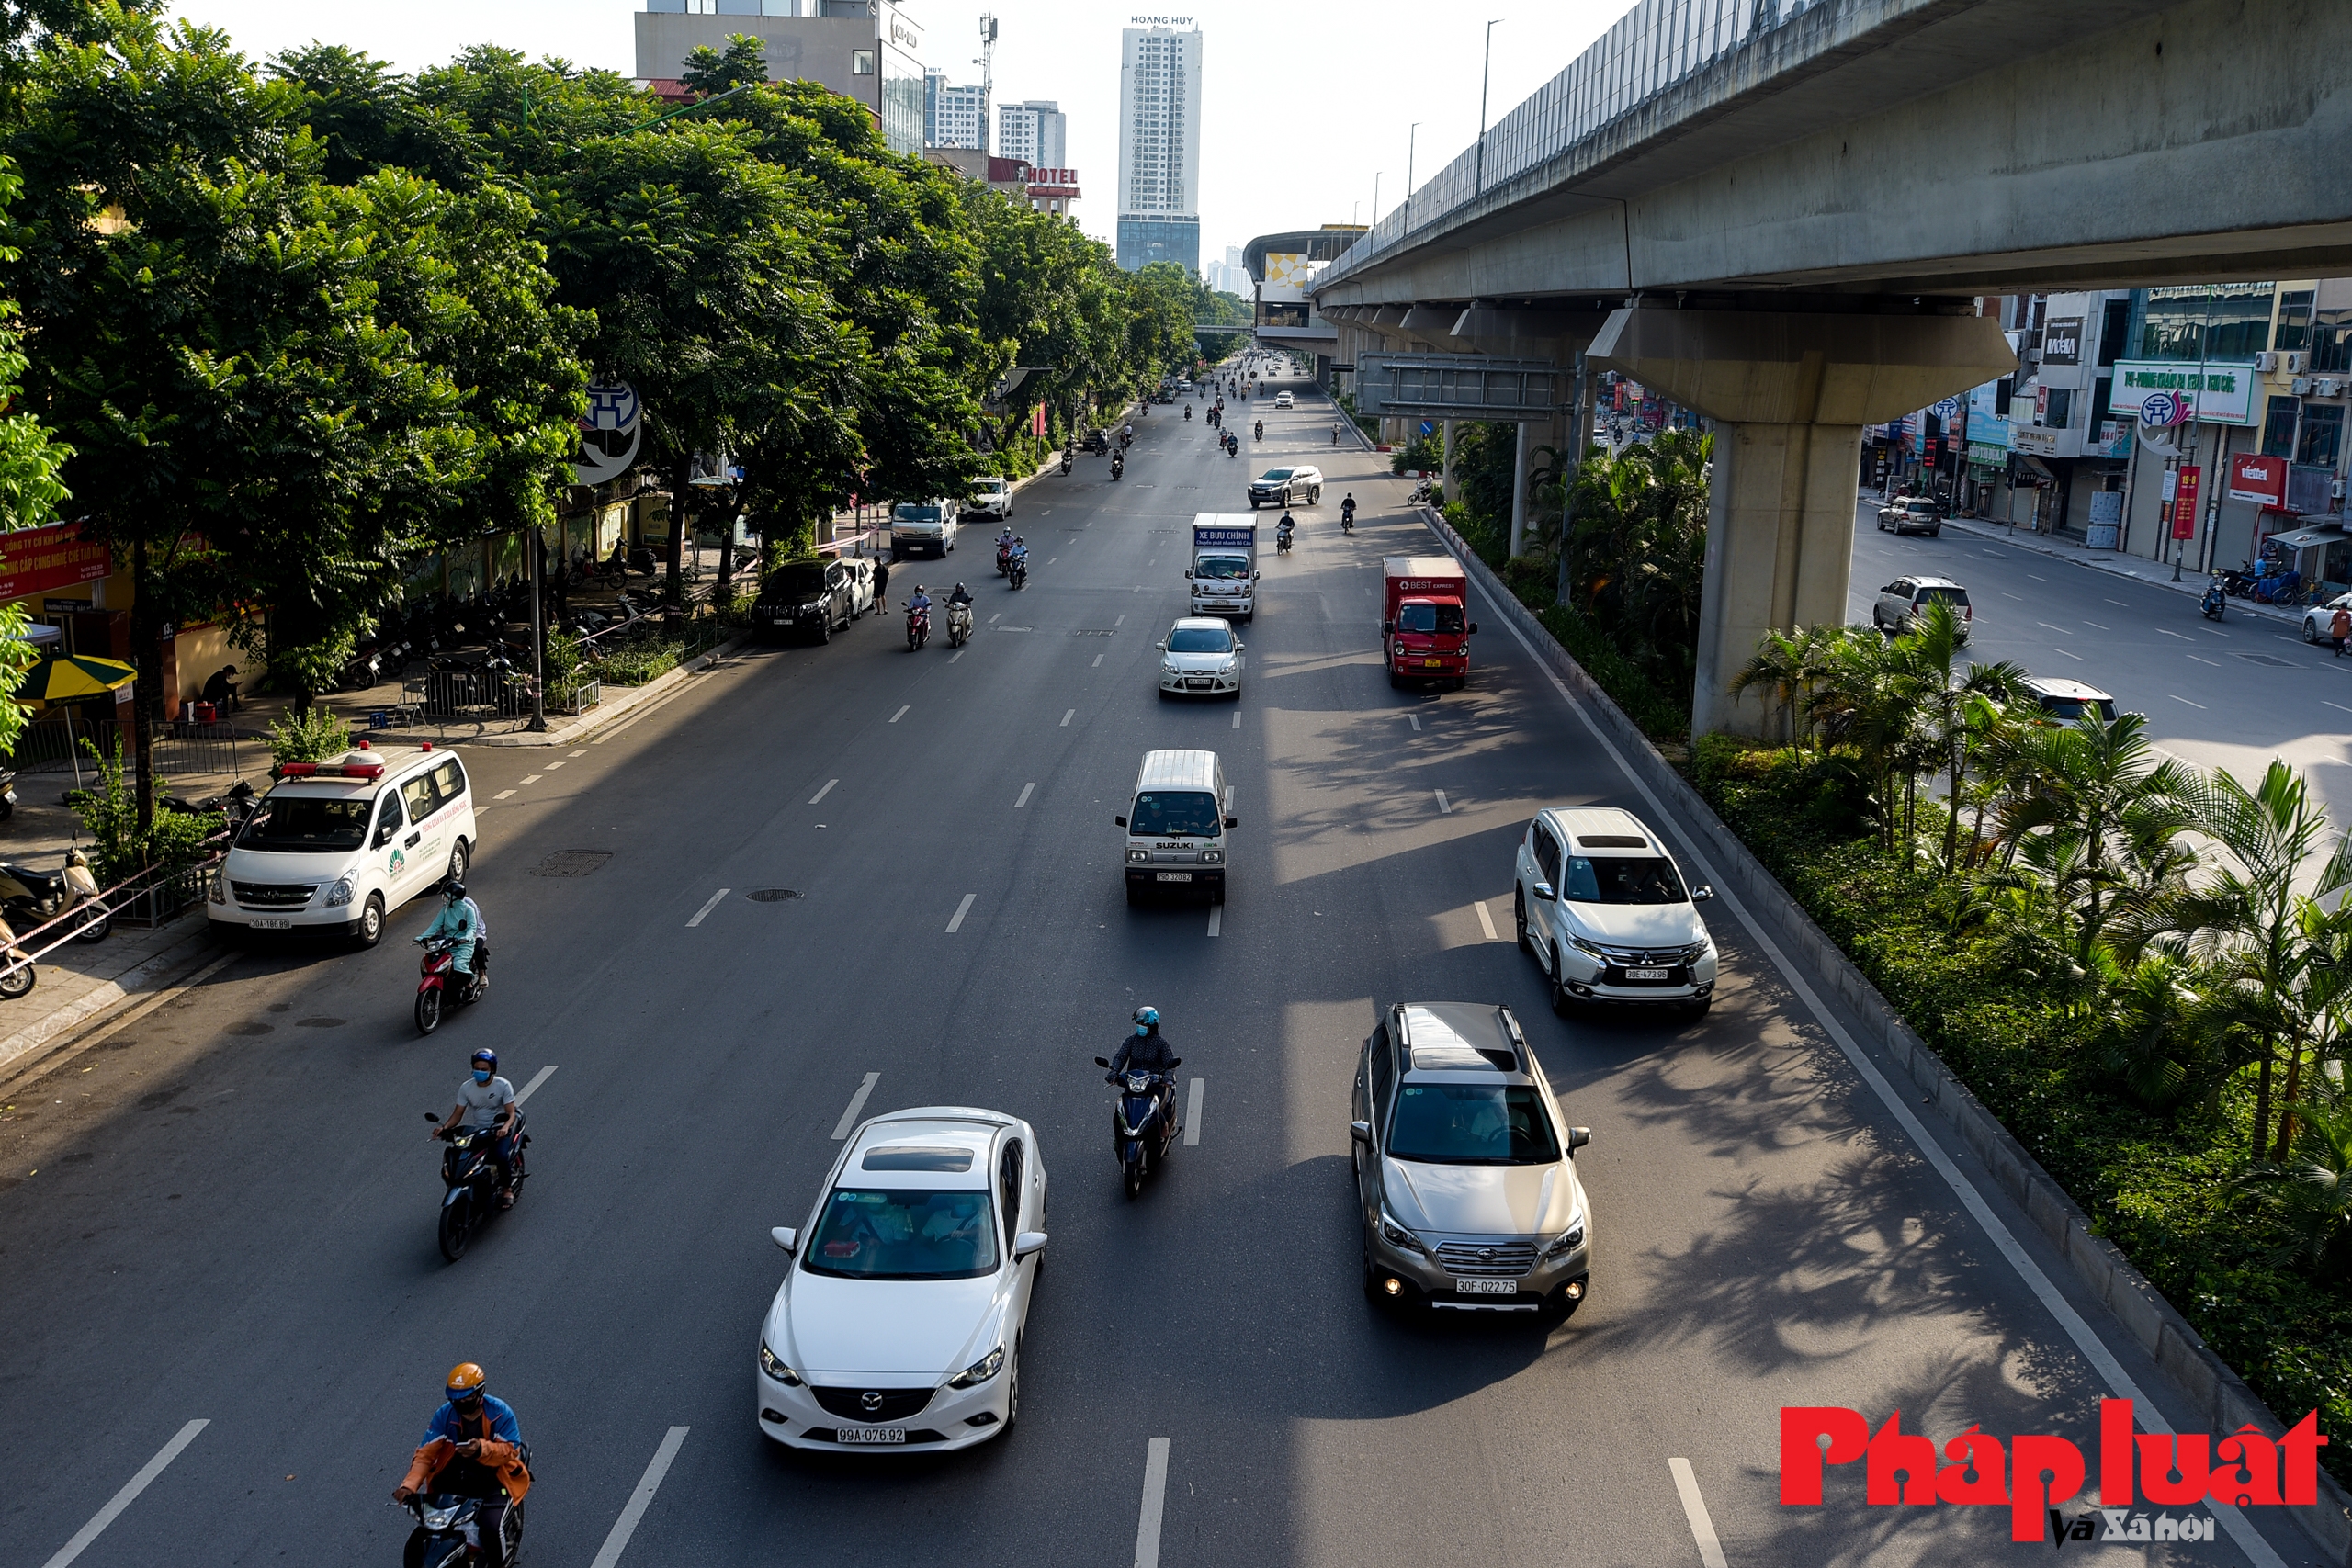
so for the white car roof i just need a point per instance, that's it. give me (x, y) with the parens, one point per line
(1582, 825)
(1176, 770)
(918, 1148)
(1201, 622)
(2059, 686)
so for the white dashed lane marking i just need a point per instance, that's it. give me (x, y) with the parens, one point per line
(824, 791)
(702, 913)
(956, 923)
(856, 1104)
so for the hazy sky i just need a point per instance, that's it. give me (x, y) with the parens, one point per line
(1304, 104)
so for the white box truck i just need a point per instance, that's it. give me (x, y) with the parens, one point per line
(1224, 564)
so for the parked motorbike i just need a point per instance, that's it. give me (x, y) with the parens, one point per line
(18, 978)
(8, 793)
(29, 898)
(436, 988)
(2214, 600)
(918, 629)
(959, 623)
(235, 806)
(470, 1174)
(1143, 1123)
(446, 1534)
(1017, 571)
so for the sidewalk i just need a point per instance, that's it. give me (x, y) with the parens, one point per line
(2114, 562)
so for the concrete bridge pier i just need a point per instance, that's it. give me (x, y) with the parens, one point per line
(1790, 392)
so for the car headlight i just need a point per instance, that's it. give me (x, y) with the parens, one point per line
(1211, 857)
(219, 889)
(1138, 857)
(1585, 944)
(776, 1368)
(1568, 1240)
(342, 890)
(980, 1371)
(1397, 1234)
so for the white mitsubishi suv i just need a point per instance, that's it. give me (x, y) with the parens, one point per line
(1607, 914)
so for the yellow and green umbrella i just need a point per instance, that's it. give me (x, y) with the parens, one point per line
(71, 676)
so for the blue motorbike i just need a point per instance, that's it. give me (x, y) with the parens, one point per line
(1143, 1123)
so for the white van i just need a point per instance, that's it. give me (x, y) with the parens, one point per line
(1178, 827)
(338, 845)
(924, 528)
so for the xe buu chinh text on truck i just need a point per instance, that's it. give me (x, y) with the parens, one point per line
(1224, 564)
(1425, 628)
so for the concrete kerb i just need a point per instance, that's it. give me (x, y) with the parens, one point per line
(2137, 1307)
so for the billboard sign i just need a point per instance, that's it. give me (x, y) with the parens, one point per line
(2062, 341)
(2259, 480)
(2216, 394)
(1287, 275)
(40, 560)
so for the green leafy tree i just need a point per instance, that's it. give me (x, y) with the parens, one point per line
(742, 63)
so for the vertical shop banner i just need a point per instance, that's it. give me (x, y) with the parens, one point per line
(37, 561)
(2183, 503)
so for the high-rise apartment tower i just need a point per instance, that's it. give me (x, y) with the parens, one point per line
(1159, 144)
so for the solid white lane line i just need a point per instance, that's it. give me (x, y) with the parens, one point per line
(856, 1104)
(1098, 662)
(1217, 919)
(171, 1450)
(824, 791)
(706, 909)
(962, 910)
(1694, 1508)
(641, 1499)
(536, 1080)
(1486, 921)
(1417, 722)
(1444, 808)
(1155, 1500)
(2199, 706)
(2119, 1383)
(1067, 716)
(1024, 796)
(1193, 1114)
(502, 794)
(901, 712)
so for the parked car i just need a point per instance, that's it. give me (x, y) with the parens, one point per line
(898, 1321)
(1607, 914)
(1465, 1172)
(2320, 618)
(2066, 700)
(813, 598)
(1286, 487)
(1901, 601)
(924, 528)
(991, 497)
(1199, 657)
(1911, 514)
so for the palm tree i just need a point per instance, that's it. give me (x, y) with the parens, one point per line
(1958, 707)
(2095, 781)
(2318, 1189)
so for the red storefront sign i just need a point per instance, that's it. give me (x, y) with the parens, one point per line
(2261, 480)
(2184, 502)
(38, 561)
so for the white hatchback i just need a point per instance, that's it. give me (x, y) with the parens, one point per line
(898, 1321)
(1604, 910)
(338, 845)
(1199, 656)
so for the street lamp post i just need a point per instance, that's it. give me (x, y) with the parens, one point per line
(1409, 135)
(1485, 74)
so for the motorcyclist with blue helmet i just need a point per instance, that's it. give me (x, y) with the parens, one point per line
(486, 1099)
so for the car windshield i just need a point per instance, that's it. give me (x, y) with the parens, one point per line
(908, 511)
(1919, 508)
(2071, 709)
(1955, 597)
(1169, 813)
(1470, 1123)
(1623, 879)
(1199, 640)
(796, 582)
(1274, 475)
(1221, 569)
(1429, 617)
(865, 1233)
(312, 823)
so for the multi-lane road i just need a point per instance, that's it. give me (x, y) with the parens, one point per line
(2232, 695)
(224, 1214)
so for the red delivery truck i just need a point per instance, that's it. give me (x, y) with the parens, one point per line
(1424, 629)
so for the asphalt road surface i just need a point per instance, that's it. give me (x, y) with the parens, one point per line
(2229, 695)
(225, 1213)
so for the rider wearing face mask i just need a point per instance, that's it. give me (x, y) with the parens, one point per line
(1145, 1048)
(486, 1099)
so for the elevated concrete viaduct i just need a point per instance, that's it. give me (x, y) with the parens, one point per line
(1779, 214)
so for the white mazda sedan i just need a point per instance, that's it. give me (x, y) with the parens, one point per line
(898, 1321)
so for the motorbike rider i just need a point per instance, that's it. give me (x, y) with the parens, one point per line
(1258, 429)
(959, 594)
(473, 1448)
(1147, 1050)
(1348, 506)
(461, 920)
(1287, 523)
(486, 1099)
(920, 600)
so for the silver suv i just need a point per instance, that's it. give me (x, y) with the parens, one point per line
(1465, 1176)
(1607, 914)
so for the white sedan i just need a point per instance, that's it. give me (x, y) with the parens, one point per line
(898, 1321)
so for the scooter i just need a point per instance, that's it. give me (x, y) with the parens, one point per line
(918, 629)
(446, 1535)
(1004, 556)
(959, 623)
(18, 978)
(1143, 1123)
(470, 1173)
(1188, 410)
(1346, 520)
(1018, 573)
(1068, 460)
(1259, 429)
(1422, 493)
(1118, 466)
(29, 898)
(2214, 600)
(8, 793)
(437, 989)
(1282, 539)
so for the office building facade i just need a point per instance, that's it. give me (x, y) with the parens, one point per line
(866, 49)
(1036, 132)
(952, 115)
(1159, 146)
